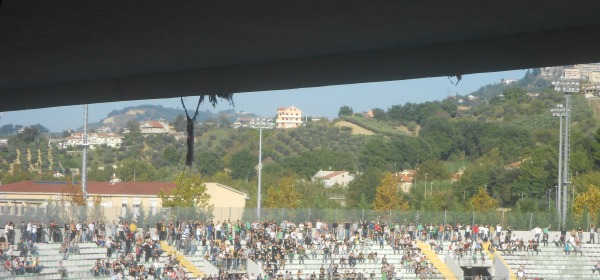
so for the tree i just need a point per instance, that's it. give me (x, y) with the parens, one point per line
(171, 155)
(28, 135)
(189, 191)
(243, 165)
(135, 170)
(128, 215)
(434, 169)
(141, 218)
(7, 129)
(188, 199)
(180, 123)
(345, 111)
(97, 210)
(361, 191)
(590, 201)
(387, 196)
(208, 162)
(283, 195)
(374, 154)
(482, 201)
(72, 196)
(378, 114)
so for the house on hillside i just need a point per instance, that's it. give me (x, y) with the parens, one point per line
(512, 166)
(405, 181)
(455, 177)
(289, 117)
(19, 199)
(259, 122)
(104, 129)
(409, 172)
(110, 139)
(154, 127)
(332, 178)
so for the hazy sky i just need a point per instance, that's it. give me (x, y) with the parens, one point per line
(321, 101)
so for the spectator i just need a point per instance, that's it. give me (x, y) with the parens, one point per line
(596, 268)
(62, 271)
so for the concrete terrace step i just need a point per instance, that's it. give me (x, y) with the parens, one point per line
(552, 263)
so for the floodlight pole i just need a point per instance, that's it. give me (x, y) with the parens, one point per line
(560, 156)
(84, 139)
(259, 198)
(566, 181)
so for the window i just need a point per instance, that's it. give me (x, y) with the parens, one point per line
(153, 206)
(136, 206)
(124, 203)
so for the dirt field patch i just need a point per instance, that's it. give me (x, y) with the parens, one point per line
(359, 130)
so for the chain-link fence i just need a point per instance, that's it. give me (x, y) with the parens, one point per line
(152, 215)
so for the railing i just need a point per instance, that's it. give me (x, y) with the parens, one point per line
(150, 216)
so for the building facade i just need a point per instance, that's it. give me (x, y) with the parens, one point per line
(290, 117)
(116, 198)
(154, 127)
(110, 139)
(332, 178)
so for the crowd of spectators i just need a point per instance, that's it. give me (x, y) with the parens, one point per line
(338, 246)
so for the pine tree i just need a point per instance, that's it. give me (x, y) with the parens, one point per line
(141, 219)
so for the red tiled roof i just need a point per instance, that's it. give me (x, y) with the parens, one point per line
(332, 174)
(406, 178)
(513, 165)
(155, 124)
(102, 188)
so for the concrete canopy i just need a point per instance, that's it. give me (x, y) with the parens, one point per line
(76, 51)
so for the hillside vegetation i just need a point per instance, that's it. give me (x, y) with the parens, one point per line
(503, 126)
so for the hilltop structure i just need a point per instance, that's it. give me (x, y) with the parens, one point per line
(578, 78)
(155, 127)
(289, 117)
(110, 139)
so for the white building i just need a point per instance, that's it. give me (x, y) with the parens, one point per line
(154, 127)
(259, 122)
(331, 178)
(289, 117)
(112, 140)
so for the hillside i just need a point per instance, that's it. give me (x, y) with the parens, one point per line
(480, 139)
(119, 118)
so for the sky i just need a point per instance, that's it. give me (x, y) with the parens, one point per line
(314, 102)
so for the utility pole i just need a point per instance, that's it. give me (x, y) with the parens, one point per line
(84, 138)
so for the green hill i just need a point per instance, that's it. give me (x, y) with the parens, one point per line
(481, 136)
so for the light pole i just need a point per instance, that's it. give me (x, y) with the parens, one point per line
(84, 140)
(431, 189)
(258, 200)
(425, 195)
(549, 191)
(559, 111)
(566, 151)
(563, 158)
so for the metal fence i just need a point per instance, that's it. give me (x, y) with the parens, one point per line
(149, 215)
